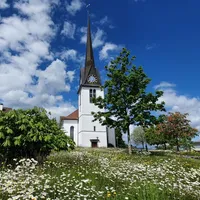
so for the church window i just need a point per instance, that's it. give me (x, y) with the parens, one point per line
(92, 94)
(72, 132)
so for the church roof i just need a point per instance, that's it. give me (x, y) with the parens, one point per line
(6, 109)
(72, 116)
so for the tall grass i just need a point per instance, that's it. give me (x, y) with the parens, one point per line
(102, 174)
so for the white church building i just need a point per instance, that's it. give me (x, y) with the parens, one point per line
(79, 125)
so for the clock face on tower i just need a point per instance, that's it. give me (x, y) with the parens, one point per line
(92, 79)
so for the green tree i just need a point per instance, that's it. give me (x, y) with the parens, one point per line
(30, 133)
(177, 129)
(138, 136)
(119, 141)
(126, 101)
(153, 137)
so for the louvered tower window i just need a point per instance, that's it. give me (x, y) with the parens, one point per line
(92, 94)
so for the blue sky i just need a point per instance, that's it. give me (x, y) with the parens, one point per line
(42, 47)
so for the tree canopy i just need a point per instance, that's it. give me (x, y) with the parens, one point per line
(126, 100)
(176, 127)
(153, 137)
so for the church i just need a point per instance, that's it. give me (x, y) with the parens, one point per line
(79, 125)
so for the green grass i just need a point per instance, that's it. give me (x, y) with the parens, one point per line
(103, 174)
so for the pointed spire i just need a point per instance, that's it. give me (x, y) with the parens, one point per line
(89, 60)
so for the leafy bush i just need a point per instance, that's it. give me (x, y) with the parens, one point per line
(31, 134)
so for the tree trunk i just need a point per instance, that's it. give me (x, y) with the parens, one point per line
(165, 147)
(177, 144)
(177, 147)
(143, 145)
(129, 141)
(146, 147)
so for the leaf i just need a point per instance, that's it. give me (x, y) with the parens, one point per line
(7, 143)
(2, 136)
(9, 131)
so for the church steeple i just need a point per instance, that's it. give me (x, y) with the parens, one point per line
(89, 74)
(89, 59)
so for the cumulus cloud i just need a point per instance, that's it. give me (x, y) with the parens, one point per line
(69, 54)
(3, 4)
(29, 73)
(69, 30)
(99, 38)
(74, 6)
(105, 21)
(72, 55)
(175, 102)
(108, 48)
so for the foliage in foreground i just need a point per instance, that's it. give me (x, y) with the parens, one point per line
(126, 98)
(102, 174)
(31, 134)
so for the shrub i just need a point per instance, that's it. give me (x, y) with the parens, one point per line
(31, 134)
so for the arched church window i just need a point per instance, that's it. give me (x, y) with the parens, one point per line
(72, 132)
(92, 94)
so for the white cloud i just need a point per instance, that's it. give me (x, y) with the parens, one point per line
(25, 46)
(52, 79)
(69, 54)
(74, 6)
(163, 85)
(181, 103)
(3, 4)
(83, 31)
(70, 75)
(69, 30)
(104, 20)
(64, 109)
(106, 49)
(99, 38)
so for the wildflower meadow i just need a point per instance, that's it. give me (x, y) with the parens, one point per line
(86, 174)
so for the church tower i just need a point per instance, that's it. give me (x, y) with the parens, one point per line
(90, 134)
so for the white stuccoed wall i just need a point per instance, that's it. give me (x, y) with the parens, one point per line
(86, 126)
(66, 127)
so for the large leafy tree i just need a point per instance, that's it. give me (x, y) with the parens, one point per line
(30, 133)
(177, 129)
(126, 101)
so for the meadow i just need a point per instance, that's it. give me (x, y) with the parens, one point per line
(86, 174)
